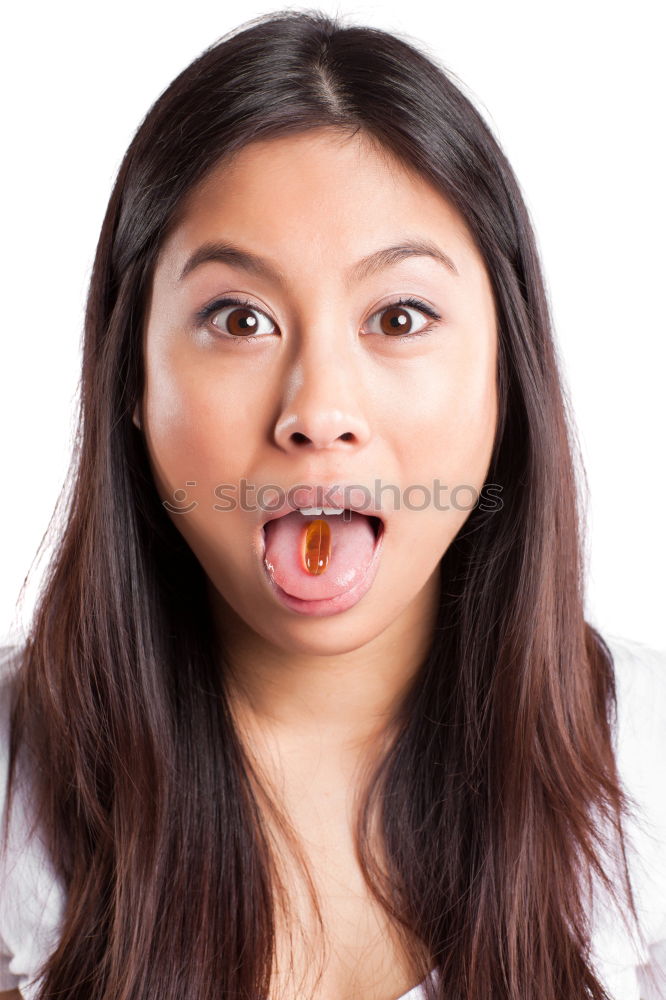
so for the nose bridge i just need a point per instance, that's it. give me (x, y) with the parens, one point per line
(324, 347)
(323, 398)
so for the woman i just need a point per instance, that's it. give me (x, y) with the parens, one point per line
(274, 750)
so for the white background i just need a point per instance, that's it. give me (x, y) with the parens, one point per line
(575, 93)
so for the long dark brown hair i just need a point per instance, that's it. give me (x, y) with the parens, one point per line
(502, 777)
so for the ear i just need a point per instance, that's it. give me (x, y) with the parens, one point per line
(136, 419)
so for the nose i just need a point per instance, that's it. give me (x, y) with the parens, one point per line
(323, 406)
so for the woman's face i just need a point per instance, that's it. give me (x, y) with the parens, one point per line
(309, 384)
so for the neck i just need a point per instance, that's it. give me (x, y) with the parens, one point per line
(344, 701)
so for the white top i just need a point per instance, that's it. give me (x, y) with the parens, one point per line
(31, 898)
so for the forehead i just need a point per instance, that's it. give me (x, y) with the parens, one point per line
(320, 195)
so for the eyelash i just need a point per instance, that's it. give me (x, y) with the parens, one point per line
(204, 314)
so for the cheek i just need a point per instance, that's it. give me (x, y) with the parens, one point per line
(198, 425)
(198, 435)
(446, 458)
(449, 424)
(469, 428)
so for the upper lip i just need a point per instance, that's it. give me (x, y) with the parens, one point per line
(352, 496)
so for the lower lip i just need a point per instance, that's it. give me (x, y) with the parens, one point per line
(331, 605)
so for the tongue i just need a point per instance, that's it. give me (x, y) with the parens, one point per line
(352, 545)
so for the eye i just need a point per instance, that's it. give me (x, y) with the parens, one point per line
(395, 321)
(240, 323)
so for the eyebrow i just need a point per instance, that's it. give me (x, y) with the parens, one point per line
(229, 253)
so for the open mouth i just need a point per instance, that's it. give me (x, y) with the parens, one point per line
(375, 521)
(350, 557)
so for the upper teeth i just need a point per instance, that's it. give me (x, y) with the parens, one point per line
(319, 510)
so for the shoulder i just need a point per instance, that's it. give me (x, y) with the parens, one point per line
(639, 737)
(9, 660)
(640, 672)
(31, 896)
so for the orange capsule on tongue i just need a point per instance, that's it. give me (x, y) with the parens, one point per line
(316, 546)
